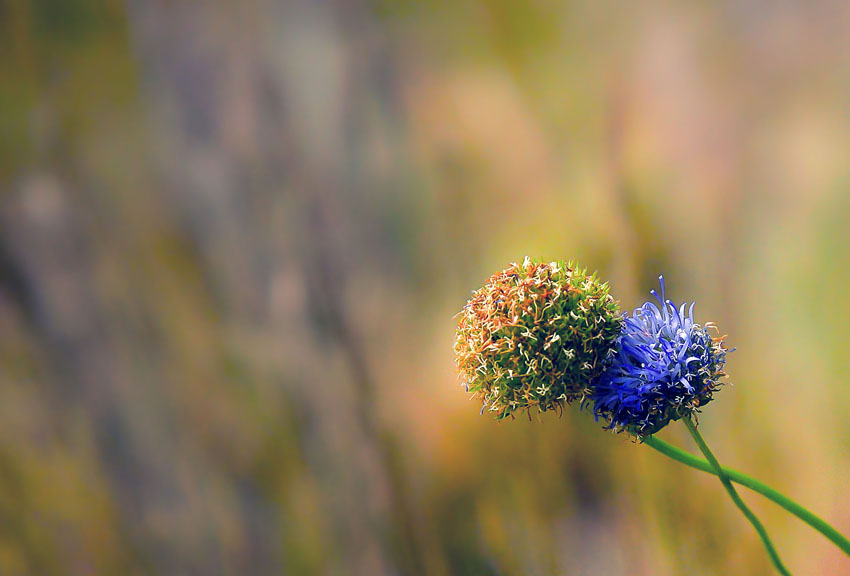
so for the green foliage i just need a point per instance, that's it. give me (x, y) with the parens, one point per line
(535, 336)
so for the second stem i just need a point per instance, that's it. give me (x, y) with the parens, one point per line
(736, 498)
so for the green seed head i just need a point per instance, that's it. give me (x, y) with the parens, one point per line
(535, 335)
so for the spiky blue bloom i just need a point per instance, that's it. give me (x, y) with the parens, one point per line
(664, 367)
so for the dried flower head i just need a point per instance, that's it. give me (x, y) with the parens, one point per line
(664, 367)
(535, 336)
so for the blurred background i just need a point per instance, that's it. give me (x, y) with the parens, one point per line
(234, 236)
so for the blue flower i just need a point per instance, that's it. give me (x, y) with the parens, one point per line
(664, 367)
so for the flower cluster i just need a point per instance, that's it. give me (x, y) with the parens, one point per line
(535, 336)
(664, 367)
(542, 335)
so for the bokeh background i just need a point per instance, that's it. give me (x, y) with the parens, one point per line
(234, 236)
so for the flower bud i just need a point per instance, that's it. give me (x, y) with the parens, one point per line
(535, 336)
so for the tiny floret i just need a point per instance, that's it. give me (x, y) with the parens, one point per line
(535, 336)
(664, 367)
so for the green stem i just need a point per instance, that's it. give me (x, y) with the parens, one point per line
(736, 498)
(797, 510)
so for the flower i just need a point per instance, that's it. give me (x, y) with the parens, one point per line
(535, 336)
(664, 367)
